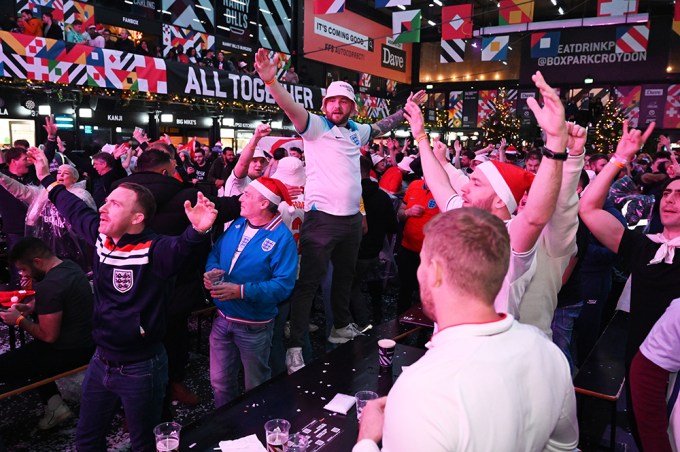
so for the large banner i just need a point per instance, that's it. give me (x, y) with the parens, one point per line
(470, 109)
(672, 117)
(611, 54)
(652, 105)
(628, 99)
(455, 109)
(486, 105)
(349, 40)
(233, 26)
(200, 81)
(523, 111)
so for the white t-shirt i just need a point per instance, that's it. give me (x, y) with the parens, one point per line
(248, 233)
(498, 386)
(332, 165)
(662, 347)
(235, 186)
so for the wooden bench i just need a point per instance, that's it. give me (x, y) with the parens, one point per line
(603, 372)
(37, 384)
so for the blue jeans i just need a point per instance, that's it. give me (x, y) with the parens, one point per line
(140, 387)
(563, 328)
(231, 342)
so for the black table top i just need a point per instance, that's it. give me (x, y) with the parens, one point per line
(300, 397)
(415, 316)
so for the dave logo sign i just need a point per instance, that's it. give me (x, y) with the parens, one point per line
(393, 58)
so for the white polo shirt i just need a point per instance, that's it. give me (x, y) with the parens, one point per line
(332, 165)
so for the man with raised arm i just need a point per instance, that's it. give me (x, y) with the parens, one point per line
(134, 270)
(331, 231)
(651, 258)
(499, 187)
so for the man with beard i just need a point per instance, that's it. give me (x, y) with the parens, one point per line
(222, 168)
(331, 231)
(487, 382)
(62, 330)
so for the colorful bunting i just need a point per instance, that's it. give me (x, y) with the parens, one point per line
(328, 6)
(456, 109)
(389, 3)
(616, 7)
(495, 48)
(453, 51)
(631, 39)
(406, 26)
(515, 12)
(457, 22)
(545, 44)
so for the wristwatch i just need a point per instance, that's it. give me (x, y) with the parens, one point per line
(562, 156)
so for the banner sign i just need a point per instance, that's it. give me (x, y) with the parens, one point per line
(455, 109)
(128, 20)
(233, 25)
(486, 105)
(354, 42)
(470, 109)
(672, 117)
(142, 9)
(628, 100)
(200, 81)
(523, 111)
(117, 118)
(652, 105)
(613, 54)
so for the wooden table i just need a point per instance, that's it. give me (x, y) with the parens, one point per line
(300, 397)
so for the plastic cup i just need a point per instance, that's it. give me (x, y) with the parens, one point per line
(386, 352)
(362, 399)
(276, 431)
(216, 277)
(297, 442)
(167, 436)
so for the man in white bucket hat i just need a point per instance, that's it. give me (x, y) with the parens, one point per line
(331, 230)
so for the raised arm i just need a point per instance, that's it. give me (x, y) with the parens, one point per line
(241, 168)
(436, 177)
(386, 124)
(604, 226)
(266, 69)
(528, 225)
(23, 193)
(560, 232)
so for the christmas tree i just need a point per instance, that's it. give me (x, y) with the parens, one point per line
(502, 123)
(608, 128)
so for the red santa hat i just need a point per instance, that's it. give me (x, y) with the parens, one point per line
(273, 190)
(510, 182)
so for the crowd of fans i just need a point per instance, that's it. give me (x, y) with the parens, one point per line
(535, 239)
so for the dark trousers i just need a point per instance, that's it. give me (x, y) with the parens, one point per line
(368, 273)
(407, 262)
(325, 238)
(277, 357)
(36, 361)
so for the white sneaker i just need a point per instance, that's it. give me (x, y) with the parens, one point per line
(313, 328)
(56, 412)
(294, 360)
(342, 335)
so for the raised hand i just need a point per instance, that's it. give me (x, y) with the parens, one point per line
(632, 140)
(60, 144)
(39, 160)
(576, 138)
(51, 127)
(551, 117)
(415, 118)
(418, 97)
(439, 150)
(202, 215)
(457, 147)
(262, 130)
(673, 170)
(265, 67)
(140, 136)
